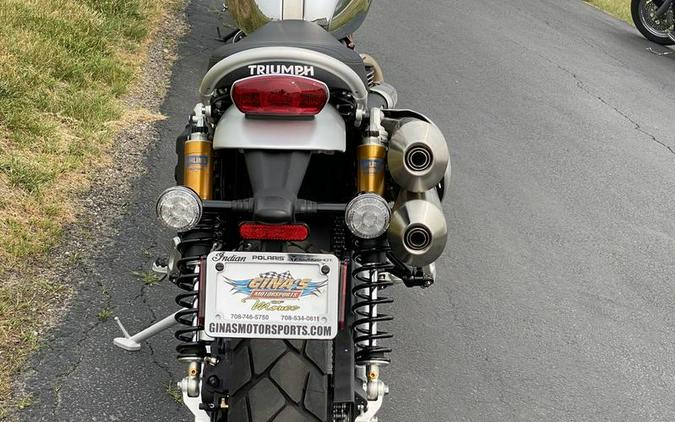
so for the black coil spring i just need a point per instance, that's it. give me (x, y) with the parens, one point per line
(200, 238)
(370, 260)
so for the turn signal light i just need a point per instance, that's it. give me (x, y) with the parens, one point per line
(285, 232)
(280, 95)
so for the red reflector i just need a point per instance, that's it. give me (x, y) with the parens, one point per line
(280, 95)
(288, 232)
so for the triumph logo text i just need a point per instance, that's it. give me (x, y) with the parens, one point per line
(281, 69)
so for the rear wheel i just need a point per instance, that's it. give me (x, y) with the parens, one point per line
(278, 380)
(652, 27)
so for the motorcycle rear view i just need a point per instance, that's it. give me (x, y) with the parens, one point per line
(302, 197)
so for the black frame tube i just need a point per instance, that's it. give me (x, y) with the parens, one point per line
(302, 207)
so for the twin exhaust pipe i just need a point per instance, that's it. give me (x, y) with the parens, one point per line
(419, 162)
(418, 231)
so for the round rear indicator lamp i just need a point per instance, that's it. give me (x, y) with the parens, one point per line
(179, 208)
(367, 216)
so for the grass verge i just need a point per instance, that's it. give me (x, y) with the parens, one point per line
(64, 67)
(618, 8)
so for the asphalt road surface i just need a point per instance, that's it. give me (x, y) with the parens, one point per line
(555, 297)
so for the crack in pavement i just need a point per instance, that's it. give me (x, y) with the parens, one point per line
(164, 368)
(62, 377)
(154, 360)
(580, 84)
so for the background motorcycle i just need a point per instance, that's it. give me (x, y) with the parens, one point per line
(301, 195)
(654, 20)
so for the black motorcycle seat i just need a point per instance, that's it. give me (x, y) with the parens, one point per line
(294, 33)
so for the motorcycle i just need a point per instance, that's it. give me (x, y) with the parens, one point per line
(303, 195)
(654, 20)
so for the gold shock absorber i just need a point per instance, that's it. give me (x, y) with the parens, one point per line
(371, 160)
(198, 170)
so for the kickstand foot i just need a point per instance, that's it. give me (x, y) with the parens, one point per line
(133, 343)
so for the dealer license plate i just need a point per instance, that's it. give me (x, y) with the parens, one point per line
(271, 295)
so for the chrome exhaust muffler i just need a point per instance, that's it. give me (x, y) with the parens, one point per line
(418, 156)
(418, 231)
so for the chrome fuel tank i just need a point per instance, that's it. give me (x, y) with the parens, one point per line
(339, 17)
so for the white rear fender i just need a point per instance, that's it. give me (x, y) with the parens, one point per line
(325, 132)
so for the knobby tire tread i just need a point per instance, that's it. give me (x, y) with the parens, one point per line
(286, 381)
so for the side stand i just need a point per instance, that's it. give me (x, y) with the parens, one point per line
(133, 343)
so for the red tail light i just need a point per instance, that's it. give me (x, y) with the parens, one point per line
(286, 232)
(280, 95)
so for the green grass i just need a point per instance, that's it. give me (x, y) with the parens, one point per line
(618, 8)
(64, 65)
(148, 278)
(104, 314)
(25, 402)
(173, 392)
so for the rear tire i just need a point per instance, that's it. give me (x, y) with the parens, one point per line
(652, 30)
(279, 381)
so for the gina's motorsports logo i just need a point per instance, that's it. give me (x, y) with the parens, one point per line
(273, 285)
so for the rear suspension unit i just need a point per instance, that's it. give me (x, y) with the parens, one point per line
(371, 266)
(194, 246)
(198, 155)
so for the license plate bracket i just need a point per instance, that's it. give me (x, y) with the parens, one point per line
(271, 295)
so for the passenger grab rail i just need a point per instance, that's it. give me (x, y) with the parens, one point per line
(292, 55)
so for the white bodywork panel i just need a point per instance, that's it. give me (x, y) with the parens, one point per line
(298, 9)
(325, 132)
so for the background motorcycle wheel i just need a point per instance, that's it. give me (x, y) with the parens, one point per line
(279, 380)
(655, 30)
